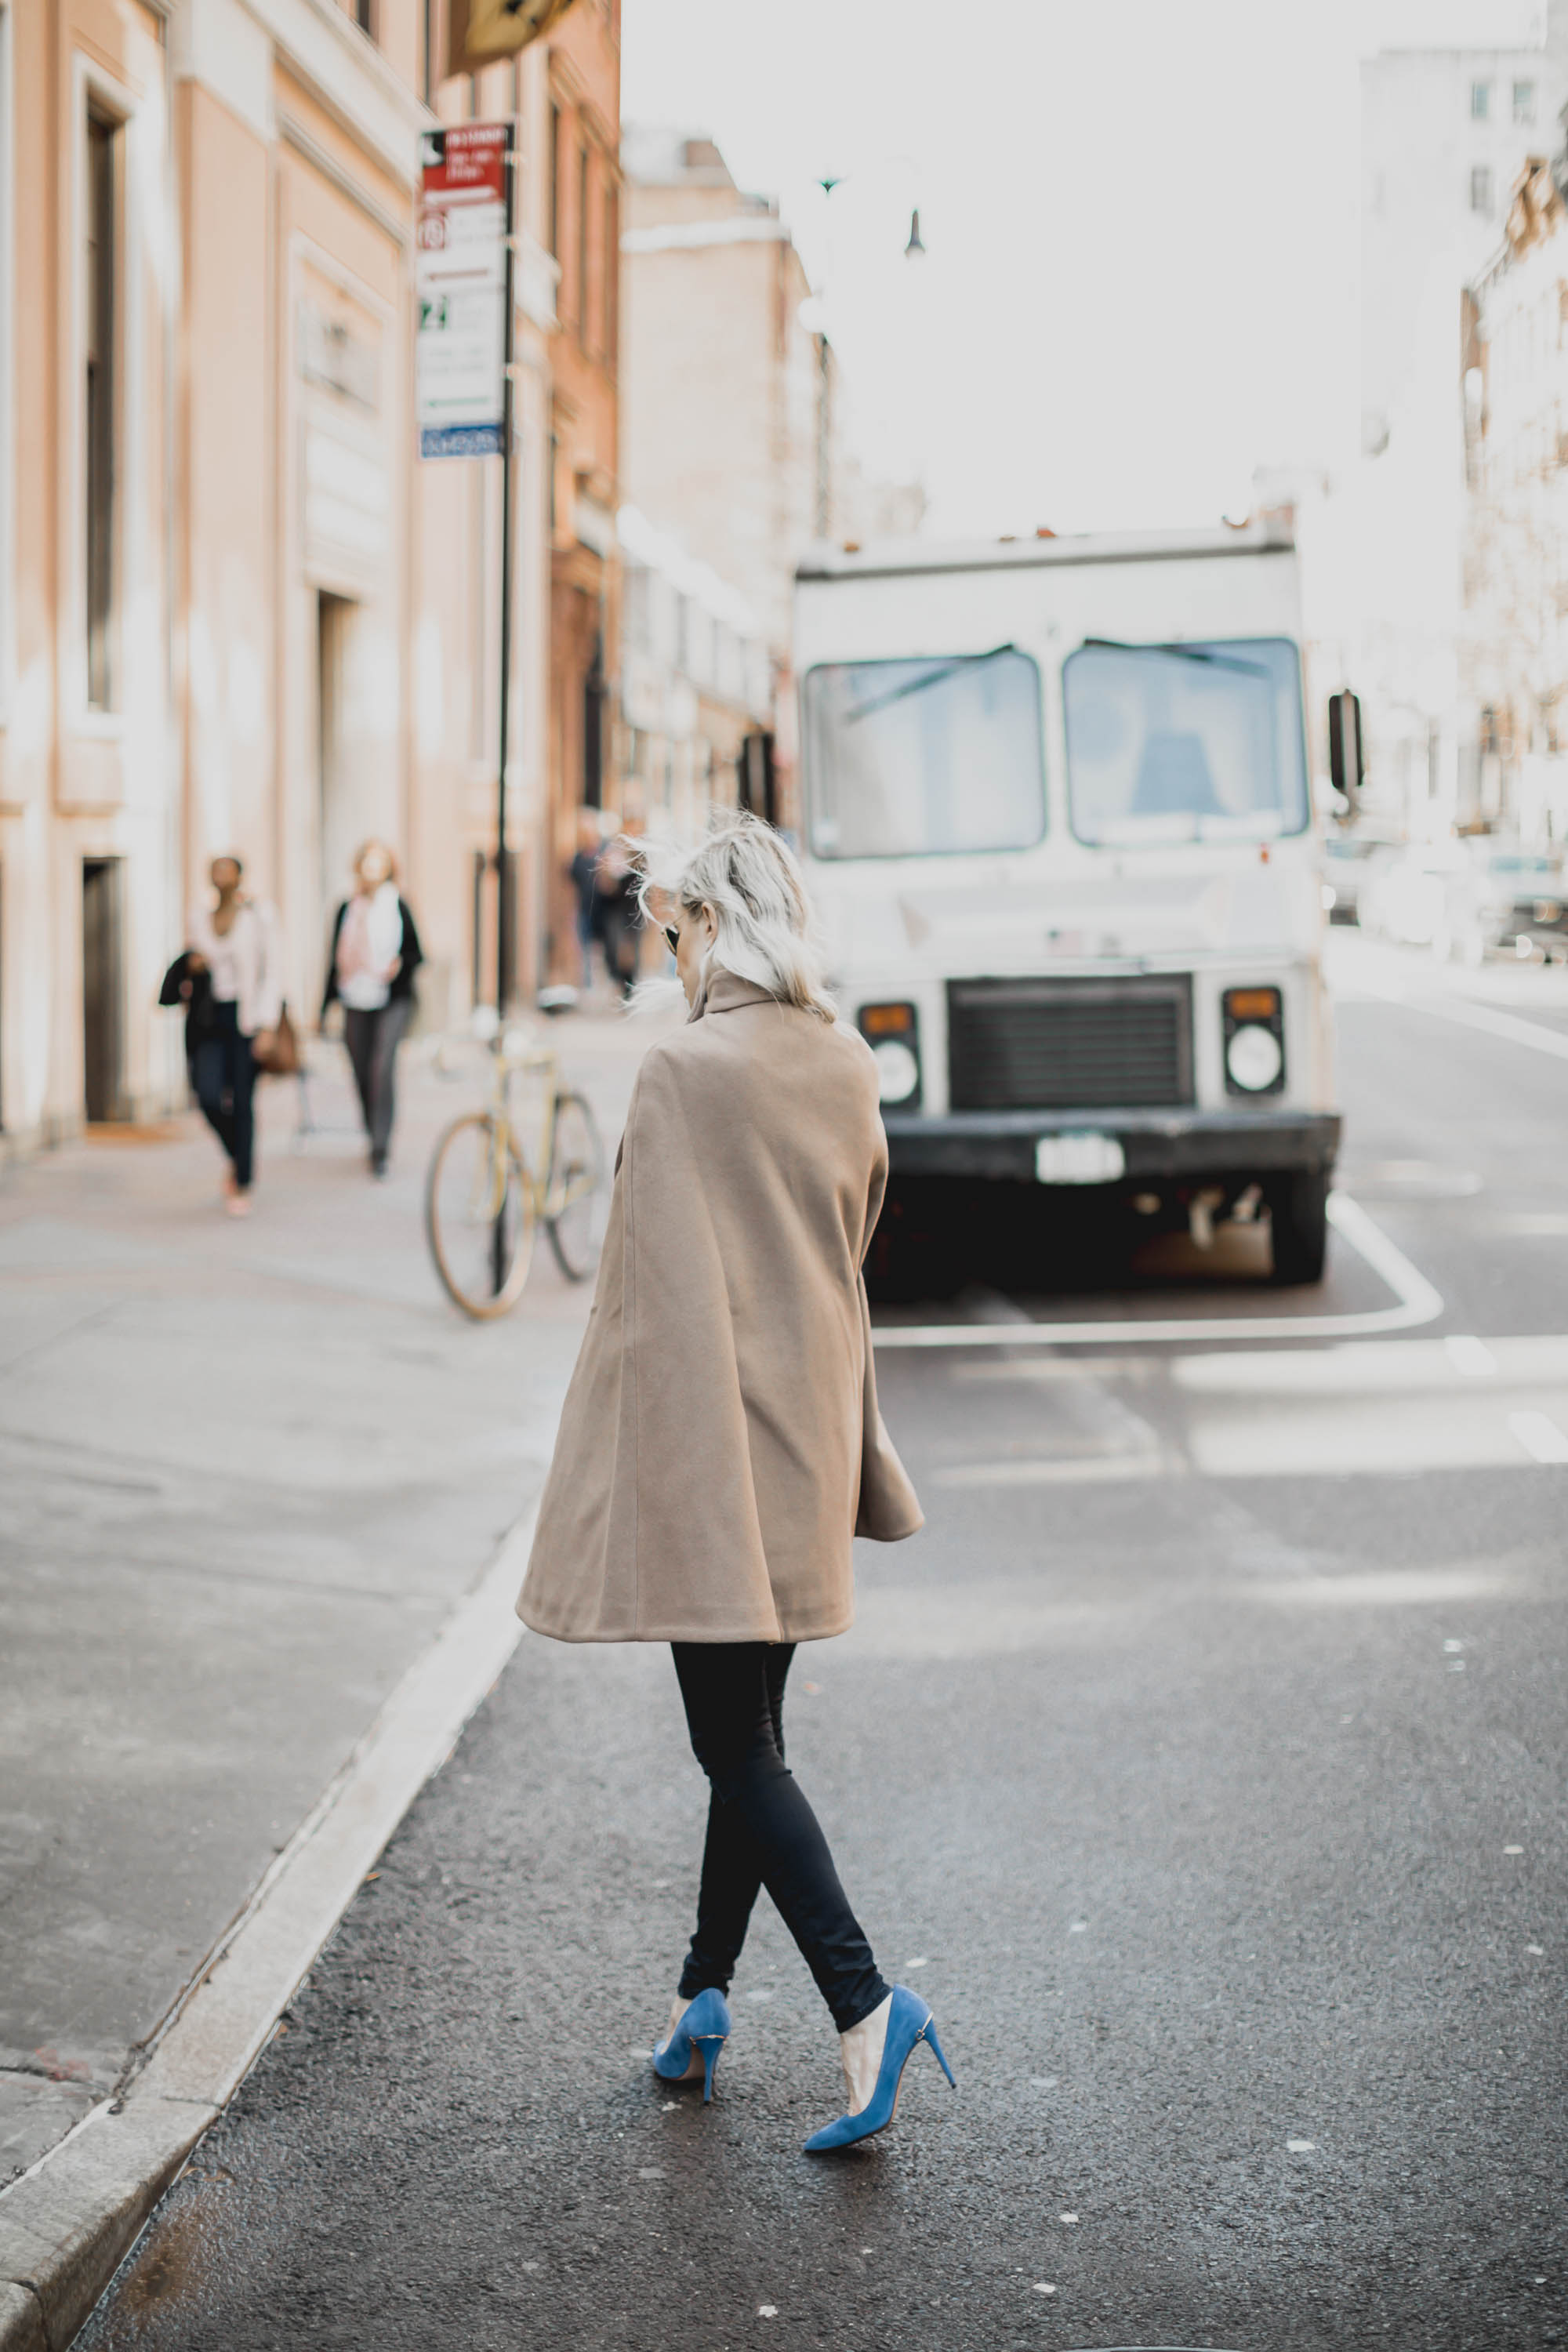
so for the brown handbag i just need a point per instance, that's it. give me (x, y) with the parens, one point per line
(277, 1051)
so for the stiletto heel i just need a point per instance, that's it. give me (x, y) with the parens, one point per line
(702, 2031)
(908, 2022)
(937, 2052)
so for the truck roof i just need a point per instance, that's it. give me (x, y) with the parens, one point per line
(1273, 534)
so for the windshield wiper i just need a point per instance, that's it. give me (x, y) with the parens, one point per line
(1182, 652)
(918, 685)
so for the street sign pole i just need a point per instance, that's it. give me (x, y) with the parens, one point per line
(503, 921)
(504, 945)
(464, 359)
(465, 354)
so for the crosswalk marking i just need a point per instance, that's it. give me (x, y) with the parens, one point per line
(1539, 1435)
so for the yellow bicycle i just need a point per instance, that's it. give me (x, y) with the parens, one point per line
(483, 1204)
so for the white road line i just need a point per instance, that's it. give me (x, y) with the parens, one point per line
(1540, 1436)
(1419, 1303)
(1060, 1470)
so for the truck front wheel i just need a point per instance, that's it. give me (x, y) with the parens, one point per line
(1297, 1208)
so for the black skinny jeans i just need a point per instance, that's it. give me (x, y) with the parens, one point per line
(223, 1073)
(372, 1040)
(762, 1832)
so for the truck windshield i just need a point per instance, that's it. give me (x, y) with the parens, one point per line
(1185, 743)
(912, 759)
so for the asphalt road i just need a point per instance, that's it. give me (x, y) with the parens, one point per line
(1202, 1764)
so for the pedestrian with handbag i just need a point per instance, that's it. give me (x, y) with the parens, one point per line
(720, 1442)
(229, 980)
(375, 953)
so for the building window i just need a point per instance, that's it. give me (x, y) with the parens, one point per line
(555, 181)
(1480, 101)
(1481, 188)
(1524, 102)
(101, 309)
(582, 245)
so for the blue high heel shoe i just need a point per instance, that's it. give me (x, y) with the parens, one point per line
(908, 2022)
(705, 2029)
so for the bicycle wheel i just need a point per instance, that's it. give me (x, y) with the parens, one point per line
(478, 1215)
(576, 1198)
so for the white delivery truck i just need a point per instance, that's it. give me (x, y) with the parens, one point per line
(1058, 824)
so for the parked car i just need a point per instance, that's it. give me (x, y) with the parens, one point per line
(1522, 899)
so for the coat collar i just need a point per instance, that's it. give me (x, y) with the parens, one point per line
(725, 992)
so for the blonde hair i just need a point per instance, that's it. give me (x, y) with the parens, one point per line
(748, 875)
(387, 851)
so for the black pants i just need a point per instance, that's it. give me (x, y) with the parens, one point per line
(762, 1832)
(223, 1074)
(372, 1039)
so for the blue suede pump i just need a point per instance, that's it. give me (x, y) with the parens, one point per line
(704, 2028)
(908, 2023)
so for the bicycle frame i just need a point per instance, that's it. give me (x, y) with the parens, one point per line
(544, 1203)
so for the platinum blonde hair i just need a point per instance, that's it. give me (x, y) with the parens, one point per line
(749, 877)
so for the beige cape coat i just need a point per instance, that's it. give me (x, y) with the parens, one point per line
(720, 1442)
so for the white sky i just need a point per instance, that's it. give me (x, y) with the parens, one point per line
(1140, 218)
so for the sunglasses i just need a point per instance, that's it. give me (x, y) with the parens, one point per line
(673, 936)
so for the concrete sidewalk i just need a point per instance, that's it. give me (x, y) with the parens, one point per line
(249, 1469)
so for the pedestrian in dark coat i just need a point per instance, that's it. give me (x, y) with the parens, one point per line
(583, 875)
(720, 1442)
(229, 980)
(374, 955)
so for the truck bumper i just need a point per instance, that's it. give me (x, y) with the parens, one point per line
(1154, 1144)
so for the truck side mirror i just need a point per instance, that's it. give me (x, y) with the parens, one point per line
(1345, 763)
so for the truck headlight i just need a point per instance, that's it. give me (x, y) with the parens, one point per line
(898, 1071)
(893, 1034)
(1253, 1041)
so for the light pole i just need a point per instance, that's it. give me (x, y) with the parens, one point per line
(815, 313)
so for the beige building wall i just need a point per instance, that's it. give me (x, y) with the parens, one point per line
(83, 787)
(302, 620)
(719, 431)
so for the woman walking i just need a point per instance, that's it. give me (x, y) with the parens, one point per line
(232, 987)
(720, 1442)
(375, 954)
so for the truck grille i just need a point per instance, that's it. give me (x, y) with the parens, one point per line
(1069, 1045)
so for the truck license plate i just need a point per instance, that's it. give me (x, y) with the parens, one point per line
(1079, 1159)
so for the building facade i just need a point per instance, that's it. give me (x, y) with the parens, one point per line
(733, 432)
(723, 380)
(1515, 654)
(695, 682)
(582, 149)
(236, 613)
(1445, 133)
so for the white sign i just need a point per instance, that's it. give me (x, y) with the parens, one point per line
(461, 287)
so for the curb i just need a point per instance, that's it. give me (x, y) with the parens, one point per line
(66, 2223)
